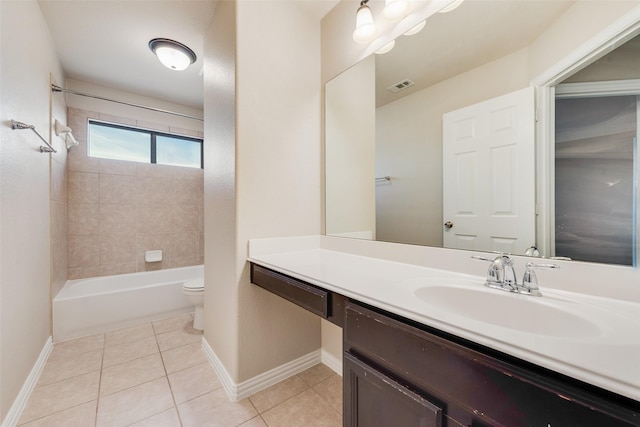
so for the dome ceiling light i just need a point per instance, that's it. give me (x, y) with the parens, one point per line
(173, 55)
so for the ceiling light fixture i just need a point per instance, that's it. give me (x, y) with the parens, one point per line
(365, 28)
(172, 54)
(395, 9)
(451, 6)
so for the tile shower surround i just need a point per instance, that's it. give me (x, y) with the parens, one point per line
(117, 210)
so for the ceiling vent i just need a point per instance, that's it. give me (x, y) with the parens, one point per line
(401, 85)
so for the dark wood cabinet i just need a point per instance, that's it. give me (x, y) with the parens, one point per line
(472, 386)
(399, 373)
(377, 400)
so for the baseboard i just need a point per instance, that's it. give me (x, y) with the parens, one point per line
(331, 361)
(237, 392)
(15, 412)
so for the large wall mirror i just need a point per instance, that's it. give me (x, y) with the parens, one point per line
(433, 143)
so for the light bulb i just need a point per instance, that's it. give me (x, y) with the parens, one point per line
(172, 54)
(386, 48)
(416, 29)
(395, 9)
(451, 6)
(365, 28)
(173, 58)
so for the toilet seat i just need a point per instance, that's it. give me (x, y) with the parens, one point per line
(193, 286)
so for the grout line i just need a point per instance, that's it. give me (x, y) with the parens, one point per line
(166, 374)
(104, 345)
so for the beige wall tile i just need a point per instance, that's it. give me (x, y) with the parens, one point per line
(119, 268)
(154, 218)
(58, 182)
(109, 118)
(117, 218)
(83, 272)
(182, 262)
(83, 219)
(59, 230)
(152, 126)
(83, 187)
(188, 192)
(84, 251)
(79, 161)
(185, 218)
(185, 244)
(132, 207)
(155, 191)
(151, 170)
(117, 248)
(184, 132)
(117, 167)
(117, 189)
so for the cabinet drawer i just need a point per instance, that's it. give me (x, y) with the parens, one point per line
(307, 296)
(376, 400)
(479, 388)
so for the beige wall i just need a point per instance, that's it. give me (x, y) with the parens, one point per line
(27, 59)
(262, 175)
(117, 209)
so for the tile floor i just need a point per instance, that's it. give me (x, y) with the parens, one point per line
(157, 375)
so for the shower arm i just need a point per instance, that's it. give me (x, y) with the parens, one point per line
(16, 125)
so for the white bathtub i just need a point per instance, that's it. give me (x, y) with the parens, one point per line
(99, 304)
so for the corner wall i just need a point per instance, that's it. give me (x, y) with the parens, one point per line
(25, 225)
(262, 175)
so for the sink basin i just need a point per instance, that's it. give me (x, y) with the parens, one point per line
(536, 315)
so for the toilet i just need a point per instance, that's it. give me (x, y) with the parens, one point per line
(194, 291)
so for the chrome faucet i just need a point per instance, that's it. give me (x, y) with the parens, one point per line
(502, 275)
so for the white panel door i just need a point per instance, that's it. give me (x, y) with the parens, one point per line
(489, 175)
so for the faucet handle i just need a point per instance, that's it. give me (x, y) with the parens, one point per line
(501, 273)
(530, 281)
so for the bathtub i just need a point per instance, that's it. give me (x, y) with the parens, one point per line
(99, 304)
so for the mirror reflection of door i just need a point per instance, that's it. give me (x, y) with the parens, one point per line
(488, 175)
(596, 177)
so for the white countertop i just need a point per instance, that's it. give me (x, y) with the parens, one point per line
(608, 356)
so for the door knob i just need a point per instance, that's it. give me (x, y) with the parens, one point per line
(448, 224)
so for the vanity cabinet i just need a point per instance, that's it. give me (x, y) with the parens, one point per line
(400, 373)
(326, 304)
(424, 377)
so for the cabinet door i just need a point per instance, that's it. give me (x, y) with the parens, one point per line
(372, 399)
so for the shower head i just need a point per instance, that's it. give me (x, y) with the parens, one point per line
(19, 125)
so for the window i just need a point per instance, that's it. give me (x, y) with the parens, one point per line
(109, 141)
